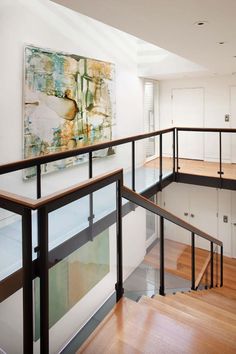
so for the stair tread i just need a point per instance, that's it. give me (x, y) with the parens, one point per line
(211, 309)
(215, 299)
(231, 294)
(203, 326)
(217, 319)
(135, 328)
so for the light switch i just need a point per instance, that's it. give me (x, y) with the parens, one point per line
(227, 116)
(225, 218)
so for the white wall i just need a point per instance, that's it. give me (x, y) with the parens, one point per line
(216, 105)
(205, 208)
(46, 24)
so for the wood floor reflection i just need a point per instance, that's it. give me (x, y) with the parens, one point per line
(196, 167)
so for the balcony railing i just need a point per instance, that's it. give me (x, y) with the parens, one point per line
(44, 205)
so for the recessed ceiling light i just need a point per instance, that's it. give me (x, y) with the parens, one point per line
(220, 43)
(201, 23)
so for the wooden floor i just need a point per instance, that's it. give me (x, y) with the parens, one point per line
(195, 322)
(197, 167)
(201, 322)
(178, 262)
(177, 259)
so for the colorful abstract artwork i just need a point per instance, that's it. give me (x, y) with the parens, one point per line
(69, 102)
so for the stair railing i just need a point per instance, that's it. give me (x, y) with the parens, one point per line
(166, 215)
(24, 206)
(44, 205)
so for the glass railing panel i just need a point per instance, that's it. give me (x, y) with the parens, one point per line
(116, 157)
(199, 153)
(228, 155)
(205, 280)
(11, 308)
(202, 259)
(10, 243)
(142, 267)
(11, 324)
(147, 169)
(140, 252)
(68, 221)
(167, 154)
(217, 266)
(103, 202)
(16, 182)
(64, 174)
(177, 260)
(82, 273)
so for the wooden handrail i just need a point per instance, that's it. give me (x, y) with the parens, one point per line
(210, 130)
(39, 160)
(82, 188)
(147, 204)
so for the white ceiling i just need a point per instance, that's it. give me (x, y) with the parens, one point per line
(169, 24)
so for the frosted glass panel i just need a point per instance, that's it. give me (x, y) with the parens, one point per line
(73, 277)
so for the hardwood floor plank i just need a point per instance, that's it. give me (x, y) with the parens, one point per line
(196, 167)
(202, 332)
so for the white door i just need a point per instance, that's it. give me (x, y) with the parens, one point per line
(188, 111)
(203, 213)
(233, 122)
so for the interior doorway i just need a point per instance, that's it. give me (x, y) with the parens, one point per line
(188, 111)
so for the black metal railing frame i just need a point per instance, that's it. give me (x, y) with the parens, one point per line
(24, 207)
(165, 215)
(220, 172)
(43, 159)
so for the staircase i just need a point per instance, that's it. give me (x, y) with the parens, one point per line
(201, 321)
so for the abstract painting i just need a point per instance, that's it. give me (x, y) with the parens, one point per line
(69, 102)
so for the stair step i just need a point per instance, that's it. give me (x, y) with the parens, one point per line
(218, 322)
(226, 292)
(218, 318)
(136, 328)
(205, 328)
(207, 308)
(215, 299)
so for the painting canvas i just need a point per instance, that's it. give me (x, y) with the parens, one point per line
(73, 277)
(69, 102)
